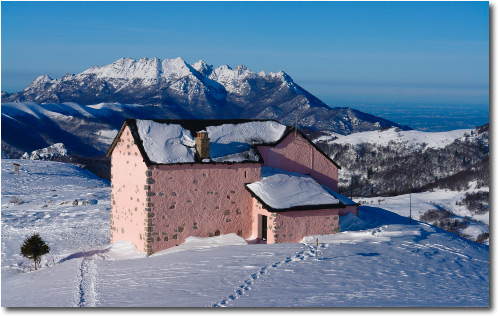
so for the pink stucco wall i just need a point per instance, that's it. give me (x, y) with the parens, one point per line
(198, 200)
(295, 154)
(128, 196)
(257, 212)
(291, 227)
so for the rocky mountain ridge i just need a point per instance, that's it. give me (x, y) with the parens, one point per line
(198, 90)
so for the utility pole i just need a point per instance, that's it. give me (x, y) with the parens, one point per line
(351, 188)
(316, 249)
(410, 205)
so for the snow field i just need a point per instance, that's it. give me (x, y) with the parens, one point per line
(44, 193)
(378, 259)
(439, 199)
(412, 139)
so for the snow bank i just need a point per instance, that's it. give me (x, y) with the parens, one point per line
(122, 250)
(280, 189)
(166, 143)
(351, 222)
(204, 243)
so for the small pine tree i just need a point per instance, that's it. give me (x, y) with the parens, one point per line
(34, 247)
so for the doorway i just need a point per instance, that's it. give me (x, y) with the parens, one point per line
(264, 227)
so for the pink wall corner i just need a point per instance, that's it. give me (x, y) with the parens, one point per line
(349, 209)
(295, 154)
(200, 200)
(292, 227)
(256, 222)
(128, 195)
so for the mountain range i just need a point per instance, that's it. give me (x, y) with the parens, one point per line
(80, 108)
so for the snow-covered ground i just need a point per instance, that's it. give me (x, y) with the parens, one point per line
(378, 259)
(439, 199)
(411, 139)
(40, 199)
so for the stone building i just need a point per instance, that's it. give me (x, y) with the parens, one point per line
(258, 179)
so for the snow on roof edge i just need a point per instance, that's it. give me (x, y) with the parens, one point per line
(281, 190)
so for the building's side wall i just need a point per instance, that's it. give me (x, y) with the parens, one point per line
(198, 200)
(295, 154)
(128, 196)
(292, 226)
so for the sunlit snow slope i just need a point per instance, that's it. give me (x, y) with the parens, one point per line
(378, 259)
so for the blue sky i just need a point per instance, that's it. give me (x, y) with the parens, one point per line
(342, 52)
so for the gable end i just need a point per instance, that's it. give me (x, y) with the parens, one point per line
(131, 124)
(292, 130)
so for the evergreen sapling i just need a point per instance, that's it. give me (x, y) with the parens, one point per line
(34, 248)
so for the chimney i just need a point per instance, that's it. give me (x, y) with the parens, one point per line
(202, 144)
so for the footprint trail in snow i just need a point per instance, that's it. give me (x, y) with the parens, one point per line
(250, 281)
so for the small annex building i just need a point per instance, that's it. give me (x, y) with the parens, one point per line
(258, 179)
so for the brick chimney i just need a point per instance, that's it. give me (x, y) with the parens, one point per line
(202, 144)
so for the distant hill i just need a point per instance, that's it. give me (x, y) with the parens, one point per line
(391, 162)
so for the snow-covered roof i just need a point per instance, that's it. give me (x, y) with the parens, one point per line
(282, 190)
(172, 141)
(234, 142)
(166, 143)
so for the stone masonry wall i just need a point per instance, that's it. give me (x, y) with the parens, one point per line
(198, 200)
(128, 196)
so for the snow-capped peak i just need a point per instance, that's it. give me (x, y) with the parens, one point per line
(202, 67)
(224, 73)
(175, 68)
(39, 81)
(234, 80)
(286, 81)
(280, 74)
(144, 68)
